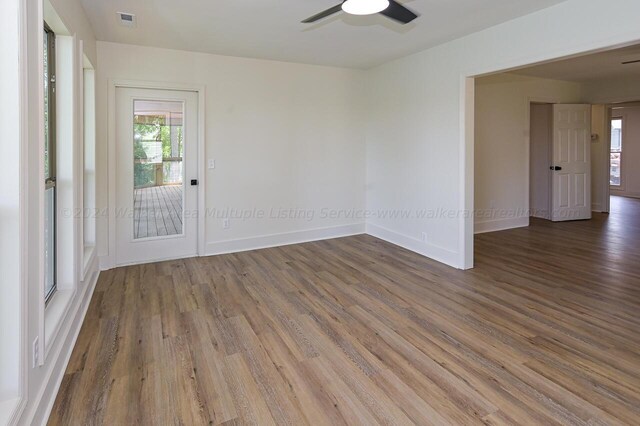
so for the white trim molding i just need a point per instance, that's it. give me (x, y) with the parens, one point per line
(283, 239)
(440, 254)
(501, 224)
(23, 386)
(625, 194)
(467, 171)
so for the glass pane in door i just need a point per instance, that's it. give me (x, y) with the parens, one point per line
(158, 178)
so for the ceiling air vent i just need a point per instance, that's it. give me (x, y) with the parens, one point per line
(127, 19)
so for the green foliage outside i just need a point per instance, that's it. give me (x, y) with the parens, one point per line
(154, 129)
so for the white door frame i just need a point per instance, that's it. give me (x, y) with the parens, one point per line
(607, 143)
(529, 101)
(108, 262)
(609, 105)
(466, 142)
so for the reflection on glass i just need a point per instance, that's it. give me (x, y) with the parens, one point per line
(46, 105)
(49, 242)
(158, 146)
(616, 151)
(49, 164)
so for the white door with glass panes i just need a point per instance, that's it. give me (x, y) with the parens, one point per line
(156, 175)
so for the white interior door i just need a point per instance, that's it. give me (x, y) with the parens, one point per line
(571, 168)
(156, 155)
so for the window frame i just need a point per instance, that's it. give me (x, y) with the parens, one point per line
(618, 187)
(50, 140)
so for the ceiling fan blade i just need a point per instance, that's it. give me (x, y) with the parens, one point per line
(399, 13)
(328, 12)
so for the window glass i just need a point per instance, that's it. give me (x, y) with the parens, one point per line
(616, 152)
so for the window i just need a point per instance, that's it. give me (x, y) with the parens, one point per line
(616, 152)
(49, 163)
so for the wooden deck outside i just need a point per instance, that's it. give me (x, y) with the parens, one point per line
(158, 211)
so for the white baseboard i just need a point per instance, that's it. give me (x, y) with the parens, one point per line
(105, 263)
(283, 239)
(439, 254)
(501, 225)
(39, 410)
(625, 194)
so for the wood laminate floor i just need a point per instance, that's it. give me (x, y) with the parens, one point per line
(545, 330)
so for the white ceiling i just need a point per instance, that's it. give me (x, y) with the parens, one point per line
(271, 29)
(590, 68)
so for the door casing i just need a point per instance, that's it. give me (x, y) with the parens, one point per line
(108, 259)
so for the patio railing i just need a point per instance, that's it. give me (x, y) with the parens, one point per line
(168, 172)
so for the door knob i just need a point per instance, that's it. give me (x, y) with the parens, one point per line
(194, 182)
(555, 168)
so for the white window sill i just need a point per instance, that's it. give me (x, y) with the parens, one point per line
(54, 315)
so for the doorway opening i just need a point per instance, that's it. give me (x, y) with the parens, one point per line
(540, 158)
(521, 147)
(560, 161)
(156, 182)
(623, 121)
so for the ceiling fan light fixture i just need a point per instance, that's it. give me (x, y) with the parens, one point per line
(364, 7)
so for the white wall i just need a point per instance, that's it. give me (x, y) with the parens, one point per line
(419, 149)
(284, 136)
(72, 16)
(502, 150)
(599, 158)
(10, 176)
(630, 172)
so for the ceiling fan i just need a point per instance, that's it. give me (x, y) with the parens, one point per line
(389, 8)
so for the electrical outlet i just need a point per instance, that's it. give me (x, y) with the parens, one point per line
(225, 223)
(211, 163)
(424, 237)
(36, 353)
